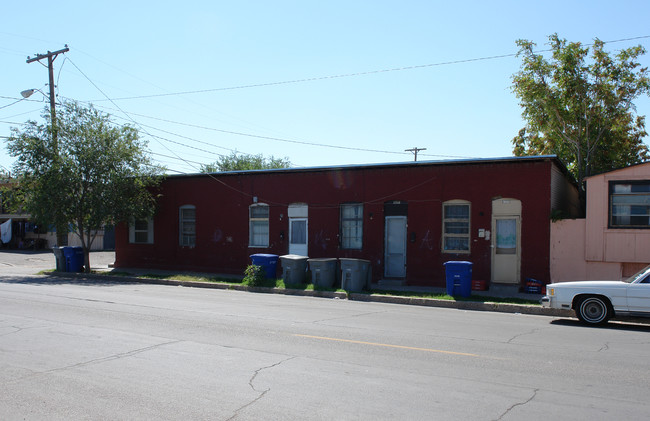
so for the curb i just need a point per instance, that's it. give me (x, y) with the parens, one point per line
(389, 299)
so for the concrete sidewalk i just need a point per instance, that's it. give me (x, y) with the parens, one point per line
(20, 262)
(106, 274)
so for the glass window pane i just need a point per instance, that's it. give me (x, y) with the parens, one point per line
(259, 233)
(351, 226)
(456, 227)
(506, 236)
(188, 214)
(456, 211)
(456, 243)
(141, 237)
(259, 211)
(141, 225)
(630, 205)
(298, 232)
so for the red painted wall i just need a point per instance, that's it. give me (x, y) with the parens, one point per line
(222, 222)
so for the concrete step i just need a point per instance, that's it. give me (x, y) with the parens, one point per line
(391, 283)
(504, 290)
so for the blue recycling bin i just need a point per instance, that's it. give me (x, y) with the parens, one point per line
(269, 262)
(74, 258)
(459, 278)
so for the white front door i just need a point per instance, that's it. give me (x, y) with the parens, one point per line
(298, 236)
(506, 241)
(395, 247)
(298, 214)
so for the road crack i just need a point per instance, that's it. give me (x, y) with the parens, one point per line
(518, 404)
(509, 341)
(348, 316)
(252, 386)
(95, 361)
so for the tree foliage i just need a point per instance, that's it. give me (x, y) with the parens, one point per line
(90, 174)
(241, 162)
(580, 107)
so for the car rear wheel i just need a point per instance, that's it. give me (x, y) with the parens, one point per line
(593, 310)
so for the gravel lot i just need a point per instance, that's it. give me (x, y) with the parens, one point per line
(31, 262)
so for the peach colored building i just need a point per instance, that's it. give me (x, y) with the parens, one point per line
(613, 241)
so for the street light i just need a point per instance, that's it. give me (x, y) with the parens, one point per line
(28, 92)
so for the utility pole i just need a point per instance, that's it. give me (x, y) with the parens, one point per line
(50, 67)
(61, 230)
(415, 151)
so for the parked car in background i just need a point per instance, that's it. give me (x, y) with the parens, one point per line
(595, 302)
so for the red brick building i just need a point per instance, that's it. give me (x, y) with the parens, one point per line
(407, 219)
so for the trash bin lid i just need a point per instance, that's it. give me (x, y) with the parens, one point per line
(270, 256)
(294, 257)
(459, 263)
(349, 259)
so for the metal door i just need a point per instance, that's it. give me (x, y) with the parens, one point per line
(395, 247)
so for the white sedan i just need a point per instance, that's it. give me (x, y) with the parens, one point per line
(595, 302)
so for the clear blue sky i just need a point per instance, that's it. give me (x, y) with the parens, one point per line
(192, 74)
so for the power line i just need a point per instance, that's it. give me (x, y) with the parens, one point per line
(355, 74)
(323, 145)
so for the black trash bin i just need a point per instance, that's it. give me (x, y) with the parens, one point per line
(459, 278)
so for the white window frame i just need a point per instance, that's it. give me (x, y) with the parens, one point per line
(257, 239)
(457, 221)
(134, 230)
(354, 225)
(186, 236)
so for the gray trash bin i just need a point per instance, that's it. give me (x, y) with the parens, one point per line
(294, 268)
(323, 271)
(60, 258)
(355, 274)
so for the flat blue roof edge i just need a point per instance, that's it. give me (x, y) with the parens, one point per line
(461, 161)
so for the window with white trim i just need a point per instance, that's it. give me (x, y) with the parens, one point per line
(455, 226)
(258, 225)
(351, 226)
(629, 204)
(141, 231)
(187, 226)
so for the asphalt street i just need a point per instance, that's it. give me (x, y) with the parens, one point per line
(79, 348)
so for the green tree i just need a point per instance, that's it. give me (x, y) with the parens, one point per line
(581, 108)
(240, 162)
(94, 174)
